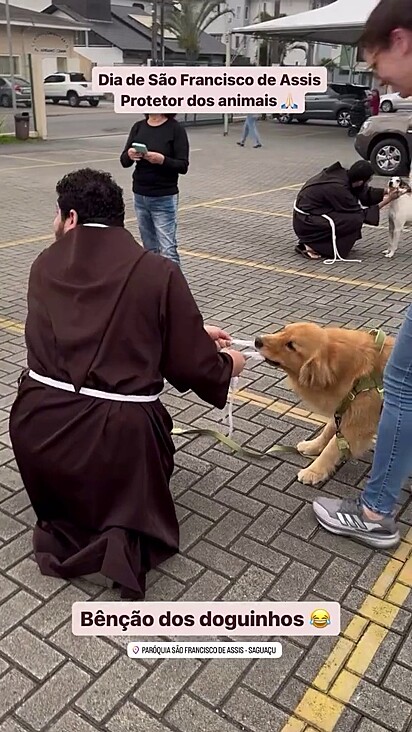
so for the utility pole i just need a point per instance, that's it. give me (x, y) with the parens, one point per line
(11, 58)
(154, 32)
(274, 50)
(162, 32)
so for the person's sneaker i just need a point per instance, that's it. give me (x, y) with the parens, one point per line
(255, 146)
(347, 518)
(241, 144)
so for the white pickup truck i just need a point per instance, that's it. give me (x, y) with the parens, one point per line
(72, 88)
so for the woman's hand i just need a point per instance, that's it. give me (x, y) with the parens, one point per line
(154, 158)
(239, 361)
(133, 155)
(219, 336)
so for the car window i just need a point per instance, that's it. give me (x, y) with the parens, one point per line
(50, 79)
(3, 82)
(333, 92)
(77, 77)
(60, 78)
(21, 81)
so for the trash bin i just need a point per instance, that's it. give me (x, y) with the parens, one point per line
(22, 125)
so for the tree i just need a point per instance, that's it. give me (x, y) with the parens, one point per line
(329, 62)
(189, 19)
(274, 51)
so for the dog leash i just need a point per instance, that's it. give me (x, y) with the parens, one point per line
(228, 417)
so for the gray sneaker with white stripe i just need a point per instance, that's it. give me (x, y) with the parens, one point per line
(347, 518)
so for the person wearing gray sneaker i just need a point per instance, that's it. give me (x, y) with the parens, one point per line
(387, 40)
(370, 519)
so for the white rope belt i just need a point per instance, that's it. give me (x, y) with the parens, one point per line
(336, 255)
(93, 392)
(227, 414)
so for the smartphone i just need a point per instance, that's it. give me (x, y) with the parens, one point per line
(140, 148)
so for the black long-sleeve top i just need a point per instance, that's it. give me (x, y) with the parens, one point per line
(169, 139)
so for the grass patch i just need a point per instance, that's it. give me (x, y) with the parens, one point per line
(12, 140)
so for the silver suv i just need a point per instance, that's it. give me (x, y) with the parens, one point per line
(334, 104)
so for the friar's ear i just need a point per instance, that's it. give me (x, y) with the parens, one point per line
(316, 372)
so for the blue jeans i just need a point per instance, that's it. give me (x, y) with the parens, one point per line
(249, 128)
(392, 464)
(157, 220)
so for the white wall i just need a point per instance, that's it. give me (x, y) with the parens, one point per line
(37, 5)
(247, 12)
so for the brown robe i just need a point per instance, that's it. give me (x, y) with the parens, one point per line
(105, 314)
(330, 193)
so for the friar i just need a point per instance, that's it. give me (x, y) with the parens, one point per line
(108, 322)
(344, 197)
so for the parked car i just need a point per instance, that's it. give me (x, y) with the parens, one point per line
(21, 87)
(334, 104)
(72, 88)
(394, 102)
(386, 141)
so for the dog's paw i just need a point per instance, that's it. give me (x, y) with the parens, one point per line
(308, 476)
(388, 253)
(308, 448)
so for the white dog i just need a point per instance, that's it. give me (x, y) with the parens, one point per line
(399, 213)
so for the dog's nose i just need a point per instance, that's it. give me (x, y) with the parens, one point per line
(258, 342)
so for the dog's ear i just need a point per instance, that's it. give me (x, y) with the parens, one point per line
(316, 373)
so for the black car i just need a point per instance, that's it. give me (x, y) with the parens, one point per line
(334, 104)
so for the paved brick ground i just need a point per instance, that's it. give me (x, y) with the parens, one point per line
(247, 530)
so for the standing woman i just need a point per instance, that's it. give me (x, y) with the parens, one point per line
(155, 179)
(375, 102)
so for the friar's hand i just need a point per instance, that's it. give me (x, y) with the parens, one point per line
(239, 361)
(219, 336)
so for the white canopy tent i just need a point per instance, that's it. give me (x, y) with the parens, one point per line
(340, 23)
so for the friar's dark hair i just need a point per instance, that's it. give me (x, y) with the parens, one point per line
(384, 19)
(94, 195)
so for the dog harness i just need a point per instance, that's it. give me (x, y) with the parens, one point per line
(371, 382)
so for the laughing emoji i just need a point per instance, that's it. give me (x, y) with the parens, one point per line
(320, 619)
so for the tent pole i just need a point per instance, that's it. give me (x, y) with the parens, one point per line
(228, 59)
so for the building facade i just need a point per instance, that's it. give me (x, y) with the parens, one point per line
(247, 12)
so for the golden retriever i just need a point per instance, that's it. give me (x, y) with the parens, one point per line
(322, 365)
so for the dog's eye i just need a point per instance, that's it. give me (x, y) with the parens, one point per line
(290, 345)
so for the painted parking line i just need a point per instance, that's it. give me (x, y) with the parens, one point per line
(336, 682)
(58, 163)
(258, 212)
(182, 209)
(241, 396)
(247, 263)
(13, 326)
(332, 689)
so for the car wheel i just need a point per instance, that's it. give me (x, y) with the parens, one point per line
(387, 106)
(55, 101)
(94, 102)
(389, 157)
(5, 101)
(343, 118)
(73, 99)
(285, 119)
